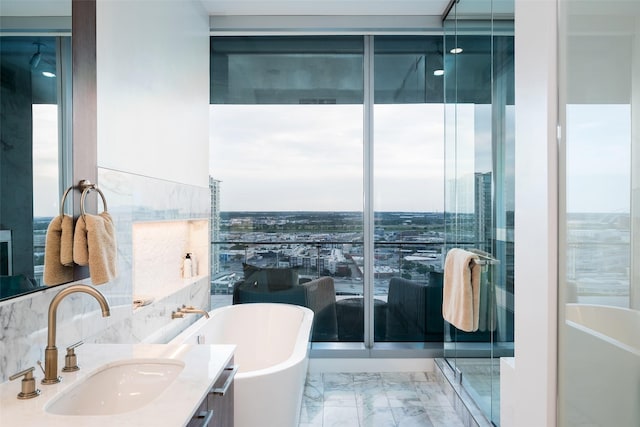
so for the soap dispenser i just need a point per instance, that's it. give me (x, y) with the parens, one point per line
(187, 267)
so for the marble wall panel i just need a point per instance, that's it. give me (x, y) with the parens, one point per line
(130, 199)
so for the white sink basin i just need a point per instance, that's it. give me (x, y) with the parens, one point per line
(117, 387)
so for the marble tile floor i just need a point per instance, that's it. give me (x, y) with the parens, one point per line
(394, 399)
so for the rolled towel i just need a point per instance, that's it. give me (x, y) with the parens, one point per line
(94, 244)
(66, 241)
(54, 272)
(461, 290)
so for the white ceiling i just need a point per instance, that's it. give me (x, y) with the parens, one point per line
(255, 7)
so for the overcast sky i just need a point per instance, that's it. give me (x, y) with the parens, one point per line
(46, 199)
(309, 157)
(598, 158)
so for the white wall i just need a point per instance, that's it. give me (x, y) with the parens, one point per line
(153, 88)
(536, 222)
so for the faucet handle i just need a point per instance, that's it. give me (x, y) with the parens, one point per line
(29, 389)
(178, 314)
(71, 360)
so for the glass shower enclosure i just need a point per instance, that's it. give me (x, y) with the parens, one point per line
(479, 185)
(599, 222)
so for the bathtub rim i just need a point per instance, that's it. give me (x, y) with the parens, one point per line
(298, 355)
(572, 311)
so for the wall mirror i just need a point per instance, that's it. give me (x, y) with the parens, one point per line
(35, 149)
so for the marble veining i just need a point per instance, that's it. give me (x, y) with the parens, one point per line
(384, 399)
(131, 199)
(462, 403)
(168, 241)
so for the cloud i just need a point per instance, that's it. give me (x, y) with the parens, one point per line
(310, 157)
(598, 158)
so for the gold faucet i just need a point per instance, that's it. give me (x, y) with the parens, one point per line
(51, 352)
(185, 310)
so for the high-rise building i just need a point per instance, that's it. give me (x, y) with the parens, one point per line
(214, 186)
(483, 210)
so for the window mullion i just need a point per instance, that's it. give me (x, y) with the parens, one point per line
(369, 249)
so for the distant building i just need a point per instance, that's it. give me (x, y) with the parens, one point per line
(483, 210)
(214, 186)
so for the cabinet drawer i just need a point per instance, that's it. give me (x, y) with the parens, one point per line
(220, 399)
(203, 416)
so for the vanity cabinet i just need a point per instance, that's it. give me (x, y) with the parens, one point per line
(216, 410)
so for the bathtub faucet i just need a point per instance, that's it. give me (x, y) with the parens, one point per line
(186, 310)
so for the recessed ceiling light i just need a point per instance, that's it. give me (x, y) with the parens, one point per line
(456, 50)
(48, 74)
(438, 72)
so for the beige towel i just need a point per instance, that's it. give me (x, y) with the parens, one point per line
(461, 290)
(54, 272)
(487, 311)
(80, 244)
(66, 241)
(94, 244)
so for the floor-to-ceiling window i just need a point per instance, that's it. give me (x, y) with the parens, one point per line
(296, 158)
(287, 148)
(408, 190)
(328, 158)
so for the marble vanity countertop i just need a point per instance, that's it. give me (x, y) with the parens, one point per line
(174, 407)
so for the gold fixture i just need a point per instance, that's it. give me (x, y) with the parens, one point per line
(177, 314)
(186, 310)
(29, 389)
(51, 352)
(71, 360)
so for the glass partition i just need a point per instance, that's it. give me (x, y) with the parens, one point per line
(291, 161)
(479, 187)
(286, 154)
(408, 188)
(599, 92)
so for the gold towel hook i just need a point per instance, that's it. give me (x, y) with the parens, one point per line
(86, 187)
(64, 197)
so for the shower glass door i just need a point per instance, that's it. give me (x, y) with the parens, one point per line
(479, 185)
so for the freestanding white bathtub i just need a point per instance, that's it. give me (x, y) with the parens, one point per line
(272, 354)
(602, 386)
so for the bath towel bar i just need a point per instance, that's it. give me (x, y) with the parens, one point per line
(485, 257)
